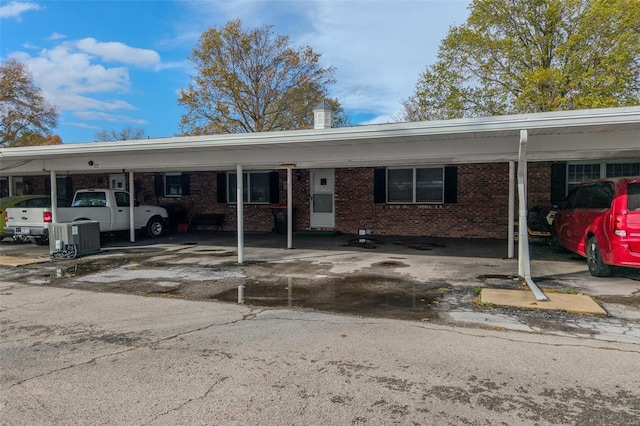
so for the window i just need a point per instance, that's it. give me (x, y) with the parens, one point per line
(255, 187)
(595, 196)
(172, 184)
(578, 173)
(122, 199)
(623, 169)
(90, 199)
(116, 181)
(415, 185)
(583, 172)
(633, 197)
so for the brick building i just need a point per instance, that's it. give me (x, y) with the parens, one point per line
(444, 179)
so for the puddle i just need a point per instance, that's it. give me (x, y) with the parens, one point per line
(498, 277)
(421, 246)
(366, 243)
(73, 271)
(129, 273)
(391, 264)
(107, 274)
(365, 296)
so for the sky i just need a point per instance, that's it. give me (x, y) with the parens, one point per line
(111, 64)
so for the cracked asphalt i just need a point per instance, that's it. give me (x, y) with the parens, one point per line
(139, 335)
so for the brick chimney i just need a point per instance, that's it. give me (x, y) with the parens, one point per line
(322, 116)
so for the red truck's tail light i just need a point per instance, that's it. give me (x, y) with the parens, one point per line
(620, 225)
(47, 217)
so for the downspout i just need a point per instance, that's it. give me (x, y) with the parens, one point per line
(524, 261)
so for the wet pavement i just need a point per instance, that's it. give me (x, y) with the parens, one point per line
(328, 333)
(416, 279)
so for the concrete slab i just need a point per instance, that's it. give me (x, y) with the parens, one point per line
(20, 261)
(578, 303)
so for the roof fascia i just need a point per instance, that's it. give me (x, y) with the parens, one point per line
(355, 134)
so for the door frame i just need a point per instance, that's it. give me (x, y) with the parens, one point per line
(332, 222)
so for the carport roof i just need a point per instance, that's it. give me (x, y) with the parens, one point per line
(565, 135)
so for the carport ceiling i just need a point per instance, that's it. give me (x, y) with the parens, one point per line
(567, 135)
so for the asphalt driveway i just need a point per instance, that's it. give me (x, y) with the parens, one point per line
(418, 279)
(332, 332)
(71, 356)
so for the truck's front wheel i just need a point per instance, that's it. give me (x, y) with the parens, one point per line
(155, 227)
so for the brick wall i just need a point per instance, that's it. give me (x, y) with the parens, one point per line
(481, 210)
(203, 200)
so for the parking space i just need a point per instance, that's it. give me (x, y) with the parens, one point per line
(383, 276)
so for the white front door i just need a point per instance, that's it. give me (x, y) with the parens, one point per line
(322, 199)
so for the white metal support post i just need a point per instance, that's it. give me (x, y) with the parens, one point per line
(10, 181)
(524, 264)
(289, 208)
(54, 196)
(132, 222)
(512, 206)
(240, 212)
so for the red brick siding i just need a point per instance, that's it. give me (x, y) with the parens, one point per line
(481, 210)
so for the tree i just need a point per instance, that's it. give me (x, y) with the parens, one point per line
(24, 111)
(125, 134)
(518, 56)
(34, 139)
(252, 81)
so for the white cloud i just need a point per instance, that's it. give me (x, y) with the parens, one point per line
(97, 116)
(379, 48)
(71, 77)
(81, 125)
(119, 52)
(56, 36)
(16, 8)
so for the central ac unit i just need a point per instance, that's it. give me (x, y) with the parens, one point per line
(68, 240)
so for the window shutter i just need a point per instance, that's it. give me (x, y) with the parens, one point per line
(450, 185)
(159, 185)
(185, 182)
(221, 184)
(558, 182)
(68, 187)
(274, 187)
(379, 186)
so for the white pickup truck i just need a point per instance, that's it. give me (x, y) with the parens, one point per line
(107, 206)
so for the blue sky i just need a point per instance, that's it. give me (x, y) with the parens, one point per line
(111, 64)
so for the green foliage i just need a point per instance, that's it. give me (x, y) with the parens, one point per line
(25, 115)
(252, 81)
(533, 56)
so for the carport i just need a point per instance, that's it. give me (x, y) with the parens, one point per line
(567, 135)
